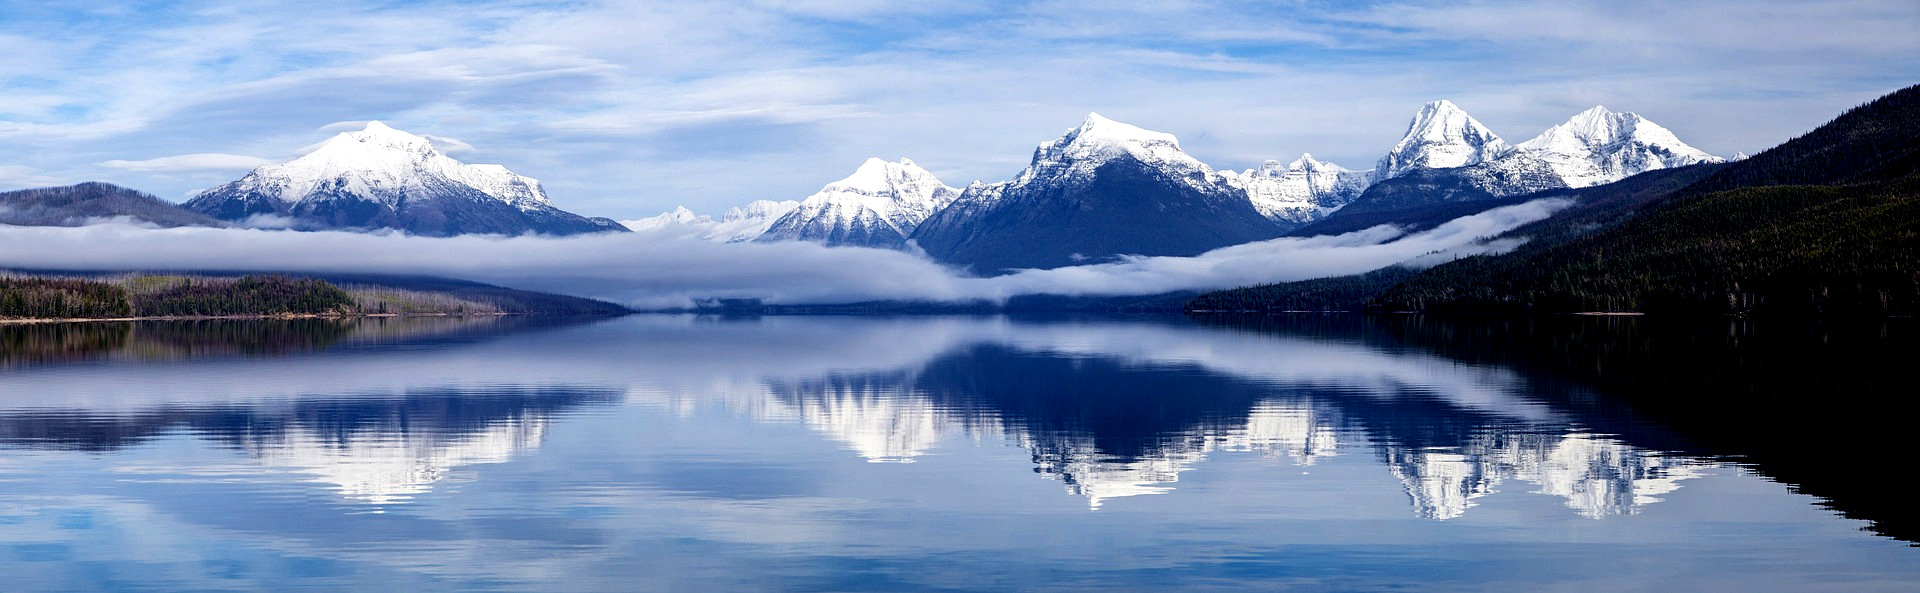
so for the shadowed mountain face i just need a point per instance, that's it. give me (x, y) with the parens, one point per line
(1101, 190)
(1124, 208)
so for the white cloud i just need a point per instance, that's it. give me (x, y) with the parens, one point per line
(661, 270)
(206, 161)
(25, 176)
(448, 145)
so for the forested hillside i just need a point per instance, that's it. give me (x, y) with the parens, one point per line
(1828, 223)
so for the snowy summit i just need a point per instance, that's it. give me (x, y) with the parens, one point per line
(1600, 146)
(879, 205)
(1302, 191)
(380, 177)
(1442, 136)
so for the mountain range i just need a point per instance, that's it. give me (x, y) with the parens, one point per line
(1101, 191)
(1107, 189)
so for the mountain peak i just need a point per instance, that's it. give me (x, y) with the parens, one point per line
(1098, 128)
(876, 206)
(877, 175)
(379, 134)
(381, 177)
(387, 166)
(1079, 151)
(1441, 106)
(1600, 146)
(1441, 136)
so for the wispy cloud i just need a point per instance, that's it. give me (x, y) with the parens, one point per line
(662, 270)
(22, 175)
(190, 162)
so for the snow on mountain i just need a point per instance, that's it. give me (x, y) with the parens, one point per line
(879, 205)
(1600, 146)
(746, 223)
(1075, 155)
(387, 164)
(380, 177)
(1441, 136)
(1300, 192)
(678, 218)
(738, 224)
(1512, 174)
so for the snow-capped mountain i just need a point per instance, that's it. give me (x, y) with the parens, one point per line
(1448, 156)
(380, 177)
(1441, 136)
(1300, 192)
(745, 223)
(879, 205)
(1100, 190)
(678, 218)
(742, 223)
(1076, 156)
(1600, 146)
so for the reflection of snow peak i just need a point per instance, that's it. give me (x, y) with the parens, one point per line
(1598, 477)
(878, 426)
(1273, 429)
(887, 415)
(389, 465)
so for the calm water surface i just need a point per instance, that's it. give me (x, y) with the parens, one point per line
(660, 453)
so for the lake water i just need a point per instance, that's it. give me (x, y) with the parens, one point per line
(679, 453)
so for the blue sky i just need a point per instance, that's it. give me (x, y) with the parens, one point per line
(627, 109)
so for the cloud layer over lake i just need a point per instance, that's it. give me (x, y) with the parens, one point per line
(652, 270)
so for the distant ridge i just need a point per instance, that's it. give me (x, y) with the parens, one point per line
(93, 202)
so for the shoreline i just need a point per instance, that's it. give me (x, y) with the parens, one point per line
(253, 317)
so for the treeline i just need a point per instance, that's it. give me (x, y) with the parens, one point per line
(380, 300)
(53, 298)
(249, 295)
(146, 295)
(170, 296)
(1342, 293)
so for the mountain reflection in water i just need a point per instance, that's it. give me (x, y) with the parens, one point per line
(550, 426)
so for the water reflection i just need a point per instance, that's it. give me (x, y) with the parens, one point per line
(1110, 426)
(375, 449)
(602, 451)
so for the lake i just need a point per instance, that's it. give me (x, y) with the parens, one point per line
(685, 453)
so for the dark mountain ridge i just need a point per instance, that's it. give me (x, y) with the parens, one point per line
(91, 202)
